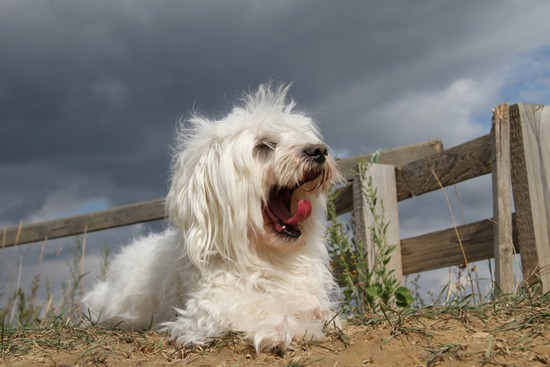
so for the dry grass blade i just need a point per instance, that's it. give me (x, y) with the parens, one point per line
(518, 282)
(82, 260)
(13, 261)
(457, 235)
(508, 331)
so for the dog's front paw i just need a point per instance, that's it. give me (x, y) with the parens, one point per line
(278, 348)
(289, 330)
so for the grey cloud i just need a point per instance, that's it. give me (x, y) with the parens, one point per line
(91, 91)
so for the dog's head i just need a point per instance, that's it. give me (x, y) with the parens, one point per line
(253, 181)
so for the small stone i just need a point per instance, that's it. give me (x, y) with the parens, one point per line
(481, 335)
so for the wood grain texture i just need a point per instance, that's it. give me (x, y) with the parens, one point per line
(383, 181)
(530, 154)
(502, 199)
(104, 219)
(441, 249)
(397, 156)
(461, 163)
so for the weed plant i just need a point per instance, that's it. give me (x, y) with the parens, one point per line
(24, 309)
(365, 286)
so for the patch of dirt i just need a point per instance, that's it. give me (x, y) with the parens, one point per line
(450, 338)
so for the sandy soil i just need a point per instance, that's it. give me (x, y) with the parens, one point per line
(449, 339)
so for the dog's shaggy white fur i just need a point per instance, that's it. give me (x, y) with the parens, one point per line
(248, 203)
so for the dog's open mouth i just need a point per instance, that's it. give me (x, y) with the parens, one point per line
(282, 204)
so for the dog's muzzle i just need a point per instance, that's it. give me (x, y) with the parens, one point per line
(317, 152)
(278, 209)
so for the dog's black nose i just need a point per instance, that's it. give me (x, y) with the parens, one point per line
(317, 152)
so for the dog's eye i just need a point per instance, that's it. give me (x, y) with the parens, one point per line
(264, 149)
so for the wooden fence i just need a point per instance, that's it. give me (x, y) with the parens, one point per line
(517, 151)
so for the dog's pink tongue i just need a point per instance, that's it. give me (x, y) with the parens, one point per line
(302, 213)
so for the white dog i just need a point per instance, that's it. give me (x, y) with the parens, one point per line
(248, 202)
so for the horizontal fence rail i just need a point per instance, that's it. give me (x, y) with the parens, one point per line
(441, 249)
(104, 219)
(461, 163)
(153, 210)
(414, 176)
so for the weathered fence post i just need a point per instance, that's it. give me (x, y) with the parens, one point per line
(530, 154)
(383, 179)
(502, 199)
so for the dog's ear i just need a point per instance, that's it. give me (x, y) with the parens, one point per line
(214, 199)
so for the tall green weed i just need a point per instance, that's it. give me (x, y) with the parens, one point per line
(365, 286)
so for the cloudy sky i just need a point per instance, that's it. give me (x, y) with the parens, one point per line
(90, 91)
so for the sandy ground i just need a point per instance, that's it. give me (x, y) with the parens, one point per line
(449, 339)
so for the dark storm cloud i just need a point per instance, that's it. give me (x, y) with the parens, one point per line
(90, 92)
